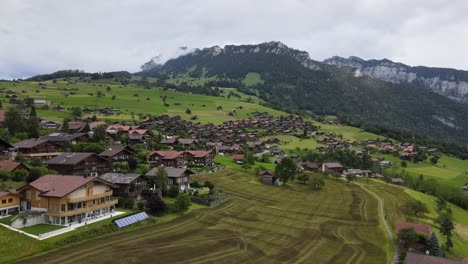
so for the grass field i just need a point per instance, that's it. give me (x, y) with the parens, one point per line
(394, 199)
(258, 224)
(133, 99)
(449, 171)
(289, 142)
(40, 229)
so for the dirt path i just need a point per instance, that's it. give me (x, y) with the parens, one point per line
(384, 220)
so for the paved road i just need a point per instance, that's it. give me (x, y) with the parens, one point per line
(387, 227)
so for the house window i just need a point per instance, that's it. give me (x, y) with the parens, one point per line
(63, 208)
(3, 201)
(10, 200)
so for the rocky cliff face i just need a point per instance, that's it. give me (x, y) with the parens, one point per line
(447, 82)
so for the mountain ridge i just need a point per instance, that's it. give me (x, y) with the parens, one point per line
(451, 83)
(295, 82)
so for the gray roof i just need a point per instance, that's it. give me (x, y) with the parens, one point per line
(119, 178)
(71, 158)
(114, 150)
(62, 137)
(333, 165)
(29, 143)
(171, 172)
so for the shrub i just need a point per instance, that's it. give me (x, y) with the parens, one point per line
(173, 191)
(19, 175)
(156, 205)
(196, 184)
(182, 202)
(209, 184)
(4, 176)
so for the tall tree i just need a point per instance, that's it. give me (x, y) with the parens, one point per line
(446, 226)
(13, 121)
(316, 182)
(99, 134)
(160, 180)
(65, 127)
(32, 124)
(434, 245)
(286, 170)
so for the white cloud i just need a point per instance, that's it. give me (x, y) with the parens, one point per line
(49, 35)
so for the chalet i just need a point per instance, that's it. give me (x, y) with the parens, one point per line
(419, 228)
(64, 200)
(309, 166)
(5, 153)
(222, 149)
(78, 163)
(38, 148)
(135, 138)
(118, 154)
(267, 177)
(169, 141)
(50, 124)
(334, 167)
(357, 172)
(127, 184)
(9, 202)
(96, 124)
(11, 166)
(176, 177)
(169, 158)
(419, 258)
(398, 181)
(200, 157)
(186, 142)
(41, 102)
(65, 139)
(238, 158)
(78, 127)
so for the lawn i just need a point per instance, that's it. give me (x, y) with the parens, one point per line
(394, 199)
(258, 224)
(41, 229)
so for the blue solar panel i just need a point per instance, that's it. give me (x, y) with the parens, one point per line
(129, 220)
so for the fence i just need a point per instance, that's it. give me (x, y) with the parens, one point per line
(56, 232)
(206, 199)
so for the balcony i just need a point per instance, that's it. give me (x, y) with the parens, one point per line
(87, 198)
(84, 210)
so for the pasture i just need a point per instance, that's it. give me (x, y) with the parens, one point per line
(133, 100)
(258, 224)
(394, 199)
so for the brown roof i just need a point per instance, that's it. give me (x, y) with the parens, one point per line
(418, 258)
(29, 143)
(237, 156)
(333, 165)
(199, 153)
(8, 192)
(420, 228)
(267, 173)
(114, 150)
(171, 172)
(76, 125)
(9, 166)
(71, 158)
(59, 185)
(167, 155)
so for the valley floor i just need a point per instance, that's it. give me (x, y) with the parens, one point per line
(258, 224)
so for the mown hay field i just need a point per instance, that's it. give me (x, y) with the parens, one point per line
(258, 224)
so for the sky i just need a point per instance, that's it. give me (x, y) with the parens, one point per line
(43, 36)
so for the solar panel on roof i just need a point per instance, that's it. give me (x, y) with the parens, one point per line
(130, 220)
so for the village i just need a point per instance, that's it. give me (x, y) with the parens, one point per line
(84, 171)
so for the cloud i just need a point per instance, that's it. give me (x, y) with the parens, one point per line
(49, 35)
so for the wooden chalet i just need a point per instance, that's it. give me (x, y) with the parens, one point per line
(79, 163)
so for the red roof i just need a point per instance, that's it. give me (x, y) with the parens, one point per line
(237, 156)
(420, 228)
(199, 153)
(9, 166)
(167, 155)
(59, 185)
